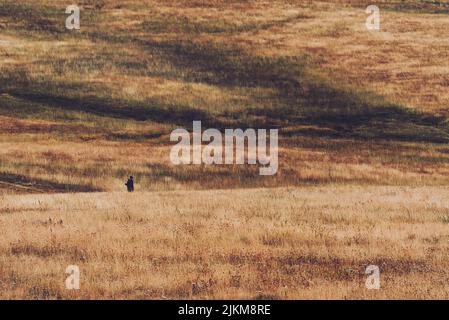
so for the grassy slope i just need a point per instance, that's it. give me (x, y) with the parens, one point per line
(136, 70)
(79, 112)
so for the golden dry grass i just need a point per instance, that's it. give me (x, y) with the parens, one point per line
(407, 61)
(312, 242)
(363, 164)
(309, 68)
(104, 165)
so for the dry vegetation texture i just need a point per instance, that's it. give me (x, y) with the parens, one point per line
(81, 110)
(312, 242)
(363, 159)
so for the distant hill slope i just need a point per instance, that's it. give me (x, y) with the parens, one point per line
(137, 70)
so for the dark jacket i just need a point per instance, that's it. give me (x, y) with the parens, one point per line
(130, 185)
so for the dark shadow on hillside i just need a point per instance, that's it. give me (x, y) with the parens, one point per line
(39, 21)
(423, 6)
(23, 184)
(34, 18)
(30, 96)
(191, 26)
(301, 98)
(150, 110)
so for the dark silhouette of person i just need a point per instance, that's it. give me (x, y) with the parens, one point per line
(130, 184)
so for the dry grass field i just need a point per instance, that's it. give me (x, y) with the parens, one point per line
(363, 149)
(288, 243)
(80, 110)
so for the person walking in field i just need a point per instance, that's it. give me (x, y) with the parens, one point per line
(130, 184)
